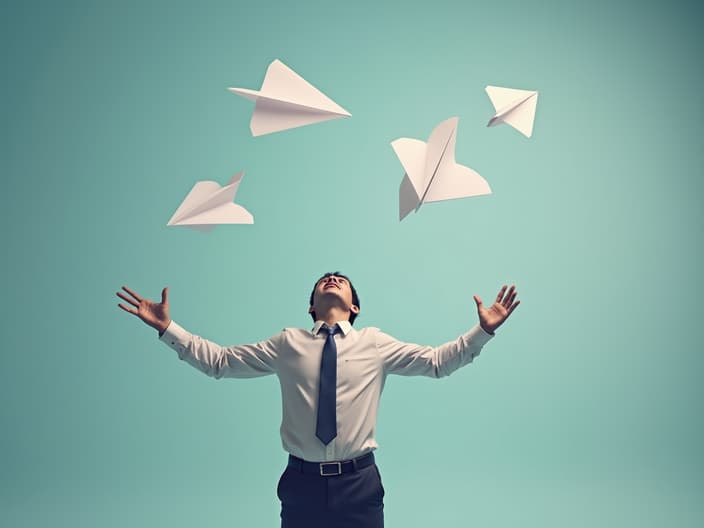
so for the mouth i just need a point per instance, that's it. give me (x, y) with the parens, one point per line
(331, 285)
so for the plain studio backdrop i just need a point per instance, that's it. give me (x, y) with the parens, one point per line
(586, 410)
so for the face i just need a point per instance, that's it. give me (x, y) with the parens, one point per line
(334, 290)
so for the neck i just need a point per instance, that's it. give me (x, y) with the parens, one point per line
(332, 315)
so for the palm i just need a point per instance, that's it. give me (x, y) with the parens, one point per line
(153, 313)
(494, 316)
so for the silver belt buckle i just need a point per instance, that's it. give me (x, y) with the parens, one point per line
(337, 469)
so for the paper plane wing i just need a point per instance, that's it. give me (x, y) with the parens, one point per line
(284, 84)
(286, 100)
(271, 115)
(504, 98)
(432, 174)
(208, 204)
(522, 117)
(421, 161)
(252, 95)
(441, 146)
(514, 107)
(199, 194)
(228, 213)
(452, 180)
(456, 181)
(411, 154)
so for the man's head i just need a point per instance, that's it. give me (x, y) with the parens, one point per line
(334, 289)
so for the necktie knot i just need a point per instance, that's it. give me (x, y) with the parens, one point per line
(331, 330)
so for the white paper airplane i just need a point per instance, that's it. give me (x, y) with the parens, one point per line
(208, 204)
(431, 172)
(286, 100)
(515, 107)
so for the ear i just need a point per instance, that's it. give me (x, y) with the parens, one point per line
(354, 309)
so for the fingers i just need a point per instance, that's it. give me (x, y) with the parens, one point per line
(510, 297)
(509, 301)
(513, 307)
(127, 309)
(506, 298)
(500, 296)
(165, 296)
(137, 297)
(125, 298)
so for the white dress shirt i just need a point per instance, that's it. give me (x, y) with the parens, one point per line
(364, 358)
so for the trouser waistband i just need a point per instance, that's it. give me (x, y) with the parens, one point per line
(330, 469)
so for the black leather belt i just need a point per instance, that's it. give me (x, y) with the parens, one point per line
(330, 469)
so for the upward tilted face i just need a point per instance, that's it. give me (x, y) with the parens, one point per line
(336, 286)
(334, 289)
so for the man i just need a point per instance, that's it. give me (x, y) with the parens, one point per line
(331, 380)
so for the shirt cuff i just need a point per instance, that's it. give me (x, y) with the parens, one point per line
(176, 337)
(478, 337)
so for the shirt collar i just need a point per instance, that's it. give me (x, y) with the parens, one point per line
(345, 327)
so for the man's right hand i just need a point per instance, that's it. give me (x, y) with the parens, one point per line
(154, 314)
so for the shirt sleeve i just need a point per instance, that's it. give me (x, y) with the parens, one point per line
(217, 361)
(408, 359)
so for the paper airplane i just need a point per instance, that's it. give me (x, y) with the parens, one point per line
(286, 100)
(431, 172)
(515, 107)
(208, 204)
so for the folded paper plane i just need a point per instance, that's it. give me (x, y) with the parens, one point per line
(208, 204)
(431, 172)
(286, 100)
(514, 107)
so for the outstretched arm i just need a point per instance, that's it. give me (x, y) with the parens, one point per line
(494, 316)
(152, 313)
(237, 361)
(409, 359)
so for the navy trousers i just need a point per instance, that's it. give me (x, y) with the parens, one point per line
(350, 500)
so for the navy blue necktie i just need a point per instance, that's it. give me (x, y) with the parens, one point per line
(326, 426)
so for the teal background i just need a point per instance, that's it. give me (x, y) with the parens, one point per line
(586, 410)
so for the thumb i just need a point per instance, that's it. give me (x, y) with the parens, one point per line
(165, 296)
(478, 300)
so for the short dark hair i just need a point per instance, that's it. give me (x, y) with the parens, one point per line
(355, 297)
